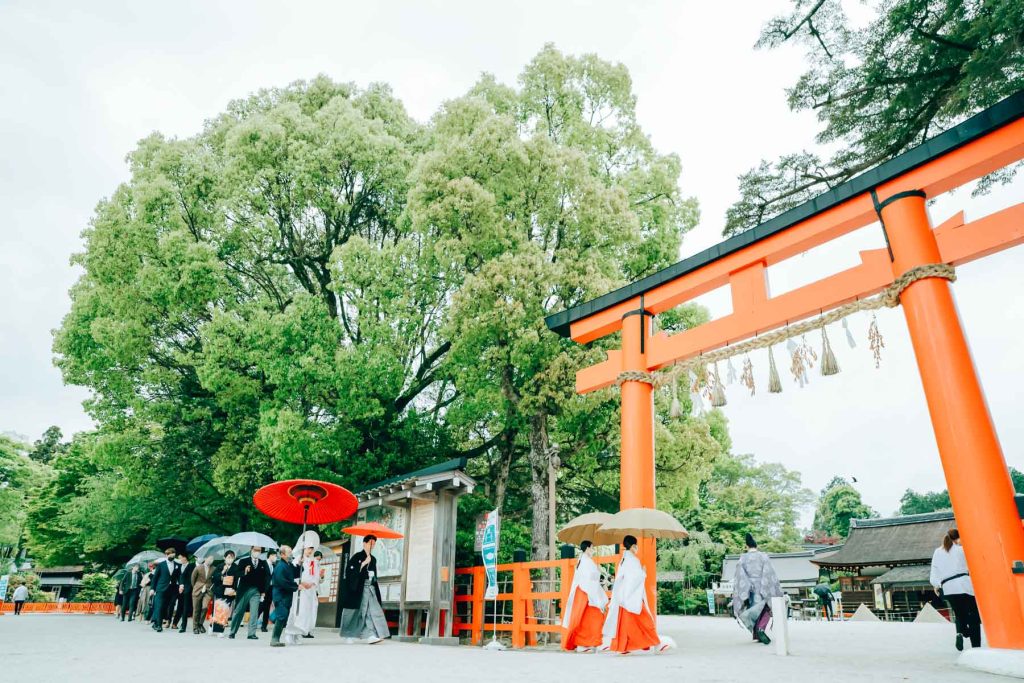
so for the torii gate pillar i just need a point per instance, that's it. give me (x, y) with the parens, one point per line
(979, 484)
(637, 429)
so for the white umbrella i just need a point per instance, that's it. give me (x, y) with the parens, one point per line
(587, 527)
(248, 539)
(644, 523)
(326, 552)
(216, 548)
(145, 557)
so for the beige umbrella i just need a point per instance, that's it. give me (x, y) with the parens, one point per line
(643, 523)
(587, 528)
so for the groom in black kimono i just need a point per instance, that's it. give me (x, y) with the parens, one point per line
(362, 614)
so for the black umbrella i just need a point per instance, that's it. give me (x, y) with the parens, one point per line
(822, 589)
(178, 544)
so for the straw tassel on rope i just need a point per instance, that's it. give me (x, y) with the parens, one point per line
(774, 383)
(875, 341)
(677, 409)
(747, 378)
(717, 392)
(829, 364)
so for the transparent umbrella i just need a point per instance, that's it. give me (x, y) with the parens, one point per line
(145, 557)
(216, 547)
(248, 539)
(327, 552)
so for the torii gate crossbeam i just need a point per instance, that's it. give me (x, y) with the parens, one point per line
(894, 193)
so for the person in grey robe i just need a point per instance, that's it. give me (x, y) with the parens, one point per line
(754, 585)
(362, 616)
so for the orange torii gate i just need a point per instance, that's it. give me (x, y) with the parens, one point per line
(894, 194)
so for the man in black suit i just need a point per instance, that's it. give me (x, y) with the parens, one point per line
(267, 594)
(130, 585)
(165, 587)
(183, 601)
(284, 583)
(251, 581)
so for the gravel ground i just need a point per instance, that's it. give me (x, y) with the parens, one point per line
(97, 648)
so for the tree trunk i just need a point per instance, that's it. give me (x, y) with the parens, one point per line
(506, 454)
(540, 461)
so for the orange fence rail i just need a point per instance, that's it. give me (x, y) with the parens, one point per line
(473, 615)
(60, 608)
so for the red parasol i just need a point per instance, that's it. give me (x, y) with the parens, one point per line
(305, 501)
(367, 528)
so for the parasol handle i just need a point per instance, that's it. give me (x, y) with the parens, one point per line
(305, 515)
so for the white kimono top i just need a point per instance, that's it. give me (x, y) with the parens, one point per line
(588, 579)
(628, 592)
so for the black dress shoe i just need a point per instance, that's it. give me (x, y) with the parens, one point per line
(960, 642)
(181, 630)
(264, 629)
(160, 629)
(231, 636)
(252, 637)
(308, 635)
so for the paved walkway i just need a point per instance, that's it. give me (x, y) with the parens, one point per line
(43, 648)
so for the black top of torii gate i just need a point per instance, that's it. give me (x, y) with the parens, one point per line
(982, 123)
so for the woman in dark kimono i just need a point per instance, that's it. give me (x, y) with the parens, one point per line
(362, 616)
(223, 595)
(754, 585)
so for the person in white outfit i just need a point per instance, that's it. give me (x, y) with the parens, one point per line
(630, 624)
(302, 619)
(952, 582)
(19, 597)
(584, 610)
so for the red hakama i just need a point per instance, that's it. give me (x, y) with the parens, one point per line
(585, 624)
(635, 631)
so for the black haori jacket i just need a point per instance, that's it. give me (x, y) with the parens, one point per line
(355, 579)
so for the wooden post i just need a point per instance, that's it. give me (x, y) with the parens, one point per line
(519, 600)
(566, 576)
(979, 483)
(637, 463)
(479, 586)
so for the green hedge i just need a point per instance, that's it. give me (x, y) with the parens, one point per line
(678, 600)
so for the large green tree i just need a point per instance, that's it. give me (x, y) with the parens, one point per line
(882, 87)
(838, 503)
(49, 446)
(743, 496)
(255, 306)
(20, 478)
(913, 503)
(317, 285)
(546, 195)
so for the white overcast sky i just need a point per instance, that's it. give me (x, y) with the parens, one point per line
(81, 83)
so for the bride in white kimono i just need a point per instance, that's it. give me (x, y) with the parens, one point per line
(302, 619)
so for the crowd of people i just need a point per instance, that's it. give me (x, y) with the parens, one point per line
(282, 589)
(279, 588)
(591, 620)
